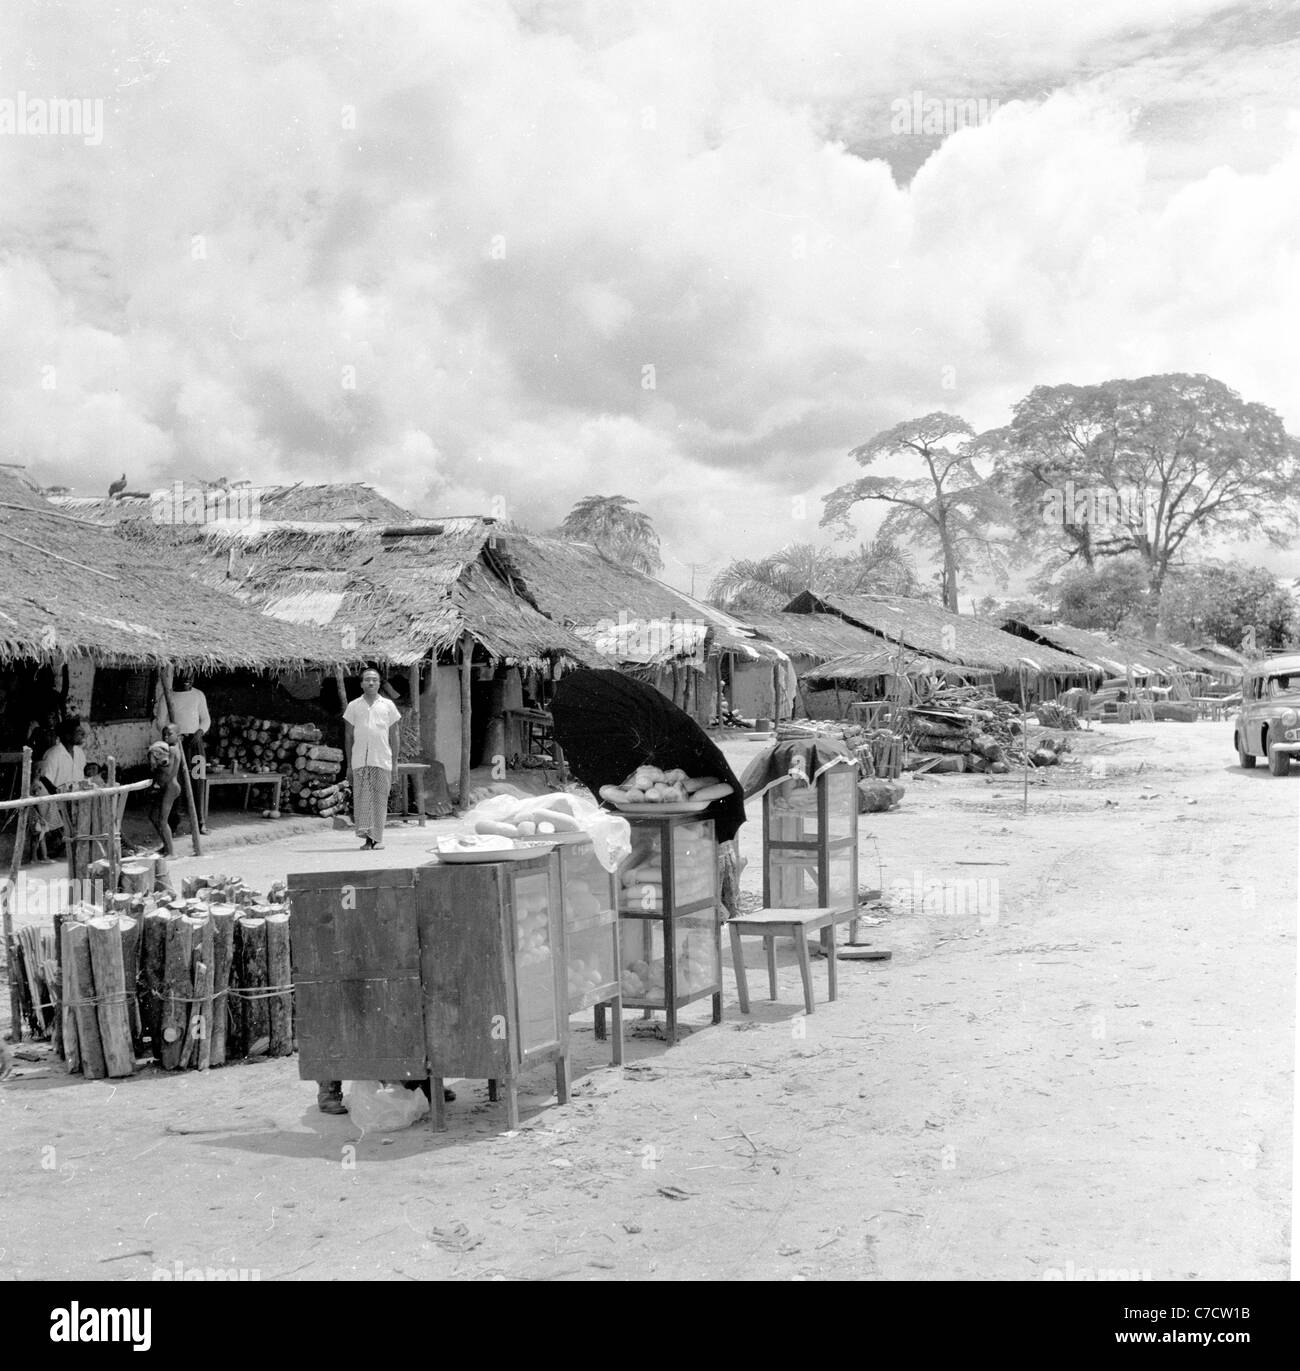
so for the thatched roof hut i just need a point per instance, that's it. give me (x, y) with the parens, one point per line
(607, 602)
(73, 588)
(395, 588)
(1114, 654)
(813, 638)
(937, 633)
(321, 501)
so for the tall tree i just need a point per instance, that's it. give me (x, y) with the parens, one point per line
(949, 507)
(619, 531)
(771, 582)
(1231, 602)
(1112, 597)
(1144, 468)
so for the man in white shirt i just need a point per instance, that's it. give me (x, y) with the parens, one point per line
(370, 730)
(62, 768)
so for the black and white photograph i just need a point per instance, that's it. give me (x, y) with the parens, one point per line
(649, 641)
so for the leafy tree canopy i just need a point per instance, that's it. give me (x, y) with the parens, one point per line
(622, 533)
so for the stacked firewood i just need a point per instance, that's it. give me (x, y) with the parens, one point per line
(297, 751)
(973, 733)
(194, 980)
(34, 964)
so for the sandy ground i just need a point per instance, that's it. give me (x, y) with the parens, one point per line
(1083, 1064)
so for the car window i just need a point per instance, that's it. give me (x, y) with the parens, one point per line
(1279, 685)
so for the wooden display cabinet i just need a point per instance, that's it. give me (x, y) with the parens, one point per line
(810, 843)
(589, 895)
(669, 905)
(493, 973)
(355, 951)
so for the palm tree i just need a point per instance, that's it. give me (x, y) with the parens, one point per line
(622, 533)
(771, 582)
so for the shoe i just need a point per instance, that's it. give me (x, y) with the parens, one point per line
(329, 1098)
(367, 845)
(376, 847)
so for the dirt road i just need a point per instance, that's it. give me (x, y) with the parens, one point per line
(1078, 1060)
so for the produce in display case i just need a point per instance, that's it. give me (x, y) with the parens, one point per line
(810, 842)
(668, 903)
(591, 932)
(493, 974)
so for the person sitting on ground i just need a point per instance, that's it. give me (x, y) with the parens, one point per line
(165, 762)
(62, 768)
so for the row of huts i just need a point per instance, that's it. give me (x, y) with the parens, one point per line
(471, 617)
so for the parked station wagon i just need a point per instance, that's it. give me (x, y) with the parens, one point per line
(1269, 722)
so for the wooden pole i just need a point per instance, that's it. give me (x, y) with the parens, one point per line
(177, 989)
(197, 1051)
(104, 940)
(342, 687)
(223, 947)
(278, 973)
(187, 787)
(82, 995)
(1024, 740)
(466, 660)
(20, 841)
(414, 690)
(250, 956)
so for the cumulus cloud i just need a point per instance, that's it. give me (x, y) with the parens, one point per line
(494, 255)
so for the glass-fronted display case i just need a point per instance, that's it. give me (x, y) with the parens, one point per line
(589, 895)
(492, 970)
(810, 842)
(670, 911)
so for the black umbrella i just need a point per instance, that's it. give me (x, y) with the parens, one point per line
(609, 724)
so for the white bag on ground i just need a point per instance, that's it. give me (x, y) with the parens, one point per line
(384, 1108)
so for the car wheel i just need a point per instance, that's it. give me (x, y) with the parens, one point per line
(1279, 763)
(1247, 759)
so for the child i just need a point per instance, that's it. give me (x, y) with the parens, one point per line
(165, 766)
(94, 776)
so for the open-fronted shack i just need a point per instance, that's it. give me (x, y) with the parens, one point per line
(917, 637)
(1115, 655)
(435, 600)
(89, 620)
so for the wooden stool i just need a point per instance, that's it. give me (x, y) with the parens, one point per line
(412, 771)
(770, 924)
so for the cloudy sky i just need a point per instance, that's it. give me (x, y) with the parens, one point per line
(502, 255)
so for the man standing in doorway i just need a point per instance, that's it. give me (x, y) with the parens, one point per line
(370, 730)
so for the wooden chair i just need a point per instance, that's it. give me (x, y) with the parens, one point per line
(770, 924)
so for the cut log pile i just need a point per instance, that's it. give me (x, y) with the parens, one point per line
(194, 980)
(964, 729)
(297, 751)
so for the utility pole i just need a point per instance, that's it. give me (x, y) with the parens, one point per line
(694, 567)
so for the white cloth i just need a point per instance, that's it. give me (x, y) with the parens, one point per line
(191, 711)
(65, 771)
(370, 725)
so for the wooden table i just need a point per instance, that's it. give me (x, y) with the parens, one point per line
(413, 771)
(248, 779)
(770, 924)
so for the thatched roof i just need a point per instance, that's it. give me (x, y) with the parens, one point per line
(394, 591)
(337, 501)
(71, 588)
(819, 636)
(853, 667)
(937, 632)
(579, 586)
(1113, 654)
